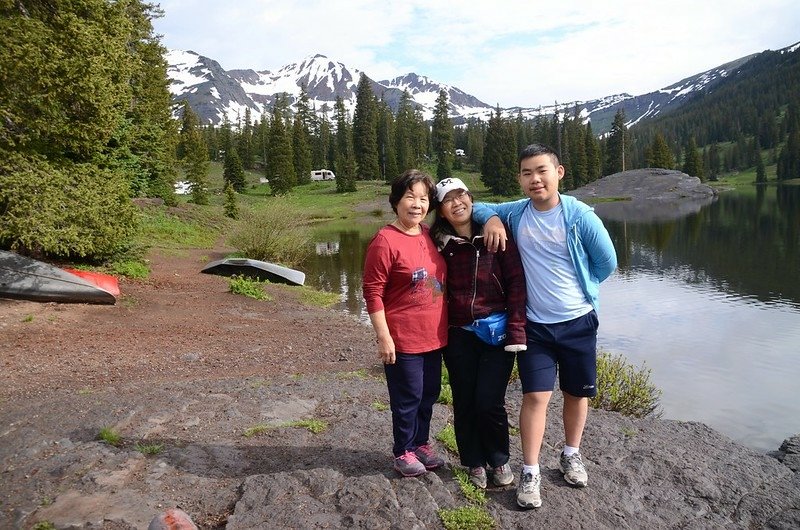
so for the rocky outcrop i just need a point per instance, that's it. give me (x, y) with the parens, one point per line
(646, 195)
(643, 473)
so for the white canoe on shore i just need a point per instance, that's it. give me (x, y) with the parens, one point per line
(261, 270)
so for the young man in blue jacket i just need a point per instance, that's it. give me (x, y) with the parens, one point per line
(566, 252)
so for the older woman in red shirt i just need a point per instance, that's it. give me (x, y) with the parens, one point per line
(403, 284)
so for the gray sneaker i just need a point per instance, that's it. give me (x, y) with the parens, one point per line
(477, 475)
(573, 469)
(502, 475)
(528, 495)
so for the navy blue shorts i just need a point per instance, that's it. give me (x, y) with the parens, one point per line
(568, 349)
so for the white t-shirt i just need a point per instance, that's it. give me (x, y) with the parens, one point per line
(553, 292)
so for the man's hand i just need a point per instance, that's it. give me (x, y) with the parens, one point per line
(494, 234)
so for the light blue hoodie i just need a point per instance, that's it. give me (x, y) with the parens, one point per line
(588, 241)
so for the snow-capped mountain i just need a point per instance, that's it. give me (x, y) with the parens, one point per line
(215, 93)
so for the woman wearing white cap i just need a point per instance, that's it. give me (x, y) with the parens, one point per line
(484, 292)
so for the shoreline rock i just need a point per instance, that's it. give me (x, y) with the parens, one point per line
(642, 472)
(645, 195)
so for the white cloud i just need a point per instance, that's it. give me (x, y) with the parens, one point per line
(507, 52)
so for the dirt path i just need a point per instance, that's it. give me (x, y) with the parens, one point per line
(177, 324)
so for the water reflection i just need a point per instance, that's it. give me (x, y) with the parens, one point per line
(710, 301)
(745, 244)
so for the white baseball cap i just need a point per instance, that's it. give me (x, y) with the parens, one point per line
(447, 185)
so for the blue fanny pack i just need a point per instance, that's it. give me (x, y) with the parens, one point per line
(491, 329)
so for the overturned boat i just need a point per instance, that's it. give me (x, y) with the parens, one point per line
(25, 278)
(260, 270)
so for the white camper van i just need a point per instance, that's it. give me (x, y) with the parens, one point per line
(322, 174)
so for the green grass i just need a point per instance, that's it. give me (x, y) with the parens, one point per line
(249, 287)
(256, 429)
(471, 492)
(447, 436)
(380, 406)
(109, 436)
(313, 425)
(314, 297)
(190, 227)
(320, 202)
(130, 269)
(149, 449)
(466, 518)
(624, 388)
(445, 395)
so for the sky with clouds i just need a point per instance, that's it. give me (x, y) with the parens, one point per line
(512, 53)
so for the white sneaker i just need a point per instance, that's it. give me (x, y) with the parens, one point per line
(528, 495)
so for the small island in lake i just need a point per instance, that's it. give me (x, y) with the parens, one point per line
(649, 194)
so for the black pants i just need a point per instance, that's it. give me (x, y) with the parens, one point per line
(414, 382)
(479, 376)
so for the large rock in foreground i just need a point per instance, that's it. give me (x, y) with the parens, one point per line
(646, 195)
(643, 473)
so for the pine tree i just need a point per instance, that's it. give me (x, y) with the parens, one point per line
(498, 168)
(230, 206)
(693, 163)
(660, 153)
(151, 130)
(617, 145)
(244, 143)
(404, 125)
(593, 164)
(365, 135)
(195, 155)
(345, 159)
(224, 138)
(280, 159)
(261, 141)
(386, 138)
(475, 139)
(442, 137)
(301, 151)
(577, 150)
(789, 159)
(714, 161)
(761, 171)
(323, 143)
(233, 172)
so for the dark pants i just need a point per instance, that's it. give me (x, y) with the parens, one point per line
(414, 383)
(479, 376)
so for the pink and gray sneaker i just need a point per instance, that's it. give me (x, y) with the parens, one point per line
(408, 465)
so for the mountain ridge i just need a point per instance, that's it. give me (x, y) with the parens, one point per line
(215, 93)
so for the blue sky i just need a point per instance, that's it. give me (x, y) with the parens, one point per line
(510, 53)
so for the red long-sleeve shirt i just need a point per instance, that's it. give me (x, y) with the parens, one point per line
(405, 276)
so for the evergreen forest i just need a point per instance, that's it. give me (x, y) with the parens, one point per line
(88, 123)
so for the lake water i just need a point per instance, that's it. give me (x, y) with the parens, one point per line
(710, 302)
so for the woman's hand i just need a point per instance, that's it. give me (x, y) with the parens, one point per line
(386, 351)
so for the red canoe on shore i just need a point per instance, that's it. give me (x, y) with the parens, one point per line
(25, 278)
